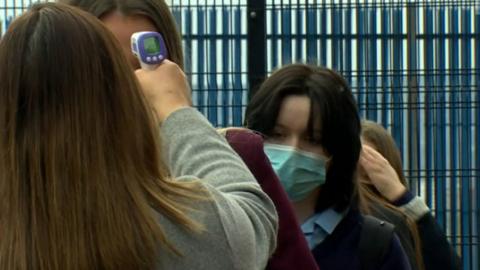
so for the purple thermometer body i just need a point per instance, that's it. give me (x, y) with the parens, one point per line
(149, 48)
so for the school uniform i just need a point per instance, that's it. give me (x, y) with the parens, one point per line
(335, 240)
(292, 251)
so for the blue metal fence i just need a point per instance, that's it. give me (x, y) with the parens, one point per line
(414, 66)
(215, 44)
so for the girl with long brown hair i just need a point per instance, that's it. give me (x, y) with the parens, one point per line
(125, 17)
(382, 183)
(87, 178)
(375, 204)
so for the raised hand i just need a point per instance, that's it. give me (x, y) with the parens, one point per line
(166, 88)
(381, 174)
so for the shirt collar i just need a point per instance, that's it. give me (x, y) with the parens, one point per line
(327, 220)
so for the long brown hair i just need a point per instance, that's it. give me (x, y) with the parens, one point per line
(376, 135)
(156, 10)
(81, 175)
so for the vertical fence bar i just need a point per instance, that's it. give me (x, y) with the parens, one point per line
(347, 71)
(227, 17)
(299, 11)
(429, 74)
(212, 87)
(202, 85)
(463, 126)
(441, 115)
(454, 173)
(238, 86)
(286, 30)
(412, 82)
(340, 37)
(440, 175)
(274, 37)
(312, 29)
(386, 83)
(476, 165)
(455, 83)
(256, 43)
(371, 59)
(323, 34)
(397, 69)
(336, 24)
(187, 39)
(360, 74)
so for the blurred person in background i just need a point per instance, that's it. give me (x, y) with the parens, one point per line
(382, 177)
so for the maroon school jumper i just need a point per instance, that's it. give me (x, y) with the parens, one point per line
(292, 250)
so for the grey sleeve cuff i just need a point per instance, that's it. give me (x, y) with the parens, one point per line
(415, 209)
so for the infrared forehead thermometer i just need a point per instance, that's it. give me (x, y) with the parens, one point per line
(149, 48)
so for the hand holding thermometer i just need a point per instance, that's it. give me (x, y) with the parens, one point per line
(149, 48)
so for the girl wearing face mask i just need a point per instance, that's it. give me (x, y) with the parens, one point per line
(312, 129)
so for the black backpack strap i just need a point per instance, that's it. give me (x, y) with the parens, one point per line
(375, 239)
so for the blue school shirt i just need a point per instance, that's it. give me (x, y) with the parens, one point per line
(320, 225)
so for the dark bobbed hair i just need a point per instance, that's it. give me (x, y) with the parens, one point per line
(333, 106)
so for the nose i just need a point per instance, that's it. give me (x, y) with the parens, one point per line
(293, 141)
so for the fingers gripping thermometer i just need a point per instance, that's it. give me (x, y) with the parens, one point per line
(149, 48)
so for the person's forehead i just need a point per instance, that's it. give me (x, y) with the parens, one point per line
(123, 26)
(295, 114)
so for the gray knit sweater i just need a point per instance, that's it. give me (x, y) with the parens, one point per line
(240, 220)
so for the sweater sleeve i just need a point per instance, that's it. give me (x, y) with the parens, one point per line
(413, 206)
(193, 149)
(436, 250)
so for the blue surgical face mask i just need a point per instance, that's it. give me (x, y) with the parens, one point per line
(299, 172)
